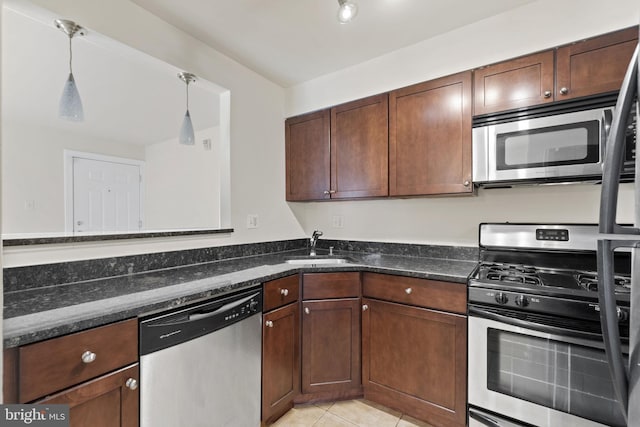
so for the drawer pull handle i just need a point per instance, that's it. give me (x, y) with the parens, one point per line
(306, 310)
(269, 324)
(365, 307)
(88, 356)
(284, 292)
(131, 384)
(408, 291)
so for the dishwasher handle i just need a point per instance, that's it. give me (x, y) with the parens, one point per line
(205, 314)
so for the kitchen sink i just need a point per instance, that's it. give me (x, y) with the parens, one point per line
(318, 259)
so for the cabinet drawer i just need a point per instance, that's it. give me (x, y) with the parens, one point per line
(330, 285)
(280, 292)
(434, 294)
(56, 364)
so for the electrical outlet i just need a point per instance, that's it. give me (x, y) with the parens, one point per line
(252, 221)
(337, 221)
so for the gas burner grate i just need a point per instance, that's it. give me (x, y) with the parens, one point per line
(511, 273)
(589, 282)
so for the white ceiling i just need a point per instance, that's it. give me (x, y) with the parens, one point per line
(127, 96)
(292, 41)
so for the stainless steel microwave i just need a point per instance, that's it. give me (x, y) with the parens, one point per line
(557, 148)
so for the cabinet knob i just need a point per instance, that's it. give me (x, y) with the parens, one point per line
(131, 384)
(306, 310)
(332, 191)
(365, 307)
(408, 291)
(547, 94)
(564, 90)
(268, 324)
(284, 292)
(325, 192)
(88, 356)
(467, 183)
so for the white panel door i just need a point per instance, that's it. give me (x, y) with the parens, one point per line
(106, 196)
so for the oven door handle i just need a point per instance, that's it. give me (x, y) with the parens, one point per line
(548, 329)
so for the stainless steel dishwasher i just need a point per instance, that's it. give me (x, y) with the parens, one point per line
(201, 366)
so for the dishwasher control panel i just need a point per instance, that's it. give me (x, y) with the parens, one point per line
(168, 329)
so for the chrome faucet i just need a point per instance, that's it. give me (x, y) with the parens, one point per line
(314, 239)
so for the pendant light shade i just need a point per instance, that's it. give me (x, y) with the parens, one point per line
(347, 11)
(187, 136)
(70, 106)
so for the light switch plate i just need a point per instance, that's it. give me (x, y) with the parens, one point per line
(252, 221)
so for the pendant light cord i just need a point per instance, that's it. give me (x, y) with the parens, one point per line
(187, 94)
(70, 56)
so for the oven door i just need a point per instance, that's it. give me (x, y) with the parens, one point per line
(546, 379)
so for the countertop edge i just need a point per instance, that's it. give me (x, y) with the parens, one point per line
(28, 328)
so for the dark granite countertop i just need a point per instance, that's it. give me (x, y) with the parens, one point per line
(39, 313)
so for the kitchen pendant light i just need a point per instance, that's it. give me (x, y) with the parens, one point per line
(70, 106)
(187, 136)
(347, 11)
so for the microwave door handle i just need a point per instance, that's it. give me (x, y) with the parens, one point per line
(614, 153)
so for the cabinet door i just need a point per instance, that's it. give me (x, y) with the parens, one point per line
(414, 360)
(430, 137)
(360, 148)
(594, 66)
(280, 361)
(330, 345)
(307, 156)
(517, 83)
(106, 401)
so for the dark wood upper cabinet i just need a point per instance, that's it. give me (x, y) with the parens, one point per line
(595, 65)
(360, 148)
(308, 156)
(588, 67)
(430, 137)
(516, 83)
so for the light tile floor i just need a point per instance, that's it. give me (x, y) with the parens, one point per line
(348, 413)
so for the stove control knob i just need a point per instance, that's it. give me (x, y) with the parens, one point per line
(522, 301)
(623, 315)
(501, 298)
(253, 305)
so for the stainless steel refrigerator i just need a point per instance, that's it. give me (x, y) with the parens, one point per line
(624, 368)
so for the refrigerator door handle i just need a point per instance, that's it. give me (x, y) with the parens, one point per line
(614, 153)
(613, 160)
(609, 322)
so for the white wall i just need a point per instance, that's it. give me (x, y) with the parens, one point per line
(182, 183)
(33, 178)
(257, 133)
(536, 26)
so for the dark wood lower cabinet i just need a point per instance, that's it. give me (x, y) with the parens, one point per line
(414, 360)
(280, 361)
(106, 401)
(331, 346)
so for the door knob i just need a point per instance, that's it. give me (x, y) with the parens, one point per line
(268, 324)
(131, 384)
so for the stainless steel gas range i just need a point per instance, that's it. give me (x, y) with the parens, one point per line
(536, 353)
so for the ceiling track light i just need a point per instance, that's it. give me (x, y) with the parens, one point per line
(70, 106)
(347, 11)
(187, 136)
